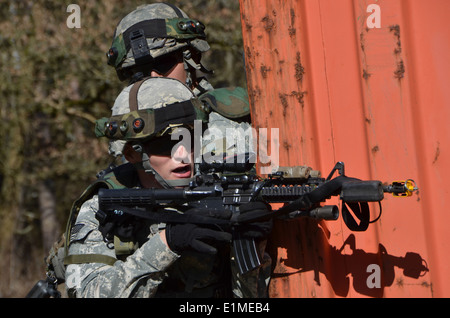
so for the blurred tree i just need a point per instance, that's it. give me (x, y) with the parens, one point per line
(54, 83)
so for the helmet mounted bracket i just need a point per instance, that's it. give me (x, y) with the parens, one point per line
(139, 47)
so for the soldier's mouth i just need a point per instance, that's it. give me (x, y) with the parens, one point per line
(182, 171)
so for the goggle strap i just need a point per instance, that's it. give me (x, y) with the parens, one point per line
(155, 28)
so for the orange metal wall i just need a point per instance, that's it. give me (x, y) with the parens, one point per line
(377, 99)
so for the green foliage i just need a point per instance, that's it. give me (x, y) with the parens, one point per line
(54, 82)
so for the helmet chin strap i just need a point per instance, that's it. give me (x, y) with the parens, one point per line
(146, 166)
(190, 64)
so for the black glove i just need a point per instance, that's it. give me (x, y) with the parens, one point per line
(259, 229)
(198, 237)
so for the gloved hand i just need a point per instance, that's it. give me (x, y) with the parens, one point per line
(202, 238)
(259, 229)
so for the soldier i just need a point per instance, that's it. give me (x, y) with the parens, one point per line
(151, 265)
(157, 259)
(160, 40)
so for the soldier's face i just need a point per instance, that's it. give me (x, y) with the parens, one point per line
(179, 165)
(170, 165)
(178, 72)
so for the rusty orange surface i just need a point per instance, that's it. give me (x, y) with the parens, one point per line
(370, 86)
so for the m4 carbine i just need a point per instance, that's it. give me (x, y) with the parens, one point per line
(301, 189)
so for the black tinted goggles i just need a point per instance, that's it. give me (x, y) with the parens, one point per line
(164, 146)
(163, 65)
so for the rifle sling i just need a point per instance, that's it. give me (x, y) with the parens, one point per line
(164, 216)
(361, 212)
(360, 209)
(89, 258)
(309, 200)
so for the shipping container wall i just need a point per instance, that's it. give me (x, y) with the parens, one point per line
(367, 83)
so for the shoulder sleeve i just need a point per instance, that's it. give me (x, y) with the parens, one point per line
(138, 276)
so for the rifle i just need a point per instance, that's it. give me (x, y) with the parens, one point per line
(226, 186)
(44, 289)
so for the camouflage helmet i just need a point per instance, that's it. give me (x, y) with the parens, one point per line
(151, 108)
(152, 31)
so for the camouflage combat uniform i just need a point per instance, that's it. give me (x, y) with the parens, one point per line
(144, 272)
(148, 268)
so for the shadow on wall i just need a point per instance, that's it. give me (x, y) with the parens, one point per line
(311, 251)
